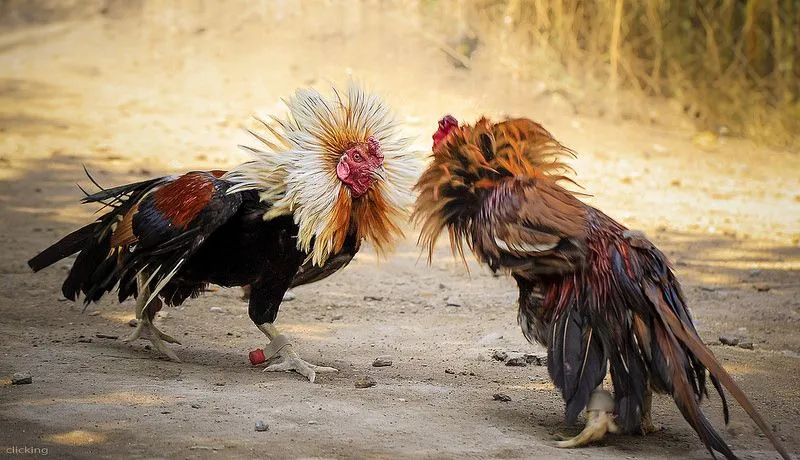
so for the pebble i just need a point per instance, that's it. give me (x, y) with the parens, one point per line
(452, 302)
(288, 296)
(747, 345)
(21, 378)
(755, 272)
(449, 371)
(337, 317)
(372, 298)
(499, 355)
(216, 310)
(365, 381)
(84, 340)
(261, 426)
(518, 361)
(132, 323)
(761, 287)
(501, 397)
(94, 313)
(382, 361)
(536, 360)
(729, 340)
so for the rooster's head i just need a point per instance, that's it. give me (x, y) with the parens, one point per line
(360, 166)
(470, 163)
(338, 164)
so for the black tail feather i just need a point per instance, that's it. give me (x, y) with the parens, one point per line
(118, 192)
(576, 361)
(65, 247)
(94, 271)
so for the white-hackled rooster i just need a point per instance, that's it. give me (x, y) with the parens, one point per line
(333, 173)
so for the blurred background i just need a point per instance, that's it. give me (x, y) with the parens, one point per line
(729, 67)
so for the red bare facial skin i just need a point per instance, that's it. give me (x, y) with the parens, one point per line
(446, 124)
(360, 166)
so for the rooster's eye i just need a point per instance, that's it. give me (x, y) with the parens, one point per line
(357, 157)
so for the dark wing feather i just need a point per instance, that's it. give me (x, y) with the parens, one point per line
(170, 224)
(154, 225)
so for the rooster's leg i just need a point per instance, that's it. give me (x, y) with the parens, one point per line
(144, 322)
(647, 415)
(285, 359)
(599, 420)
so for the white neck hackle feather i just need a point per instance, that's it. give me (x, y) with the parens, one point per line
(297, 170)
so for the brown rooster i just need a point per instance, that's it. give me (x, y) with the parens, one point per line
(335, 172)
(597, 295)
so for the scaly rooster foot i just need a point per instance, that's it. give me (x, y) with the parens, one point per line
(284, 359)
(146, 330)
(647, 425)
(599, 421)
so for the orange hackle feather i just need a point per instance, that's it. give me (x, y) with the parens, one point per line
(488, 154)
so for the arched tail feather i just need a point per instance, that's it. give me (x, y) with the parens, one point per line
(693, 343)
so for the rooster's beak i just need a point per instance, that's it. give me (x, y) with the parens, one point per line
(379, 173)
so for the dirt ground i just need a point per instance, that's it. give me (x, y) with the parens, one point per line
(153, 89)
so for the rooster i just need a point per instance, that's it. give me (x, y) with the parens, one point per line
(333, 173)
(597, 295)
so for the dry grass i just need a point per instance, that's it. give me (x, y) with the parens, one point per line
(731, 64)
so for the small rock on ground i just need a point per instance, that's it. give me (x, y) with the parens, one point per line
(132, 323)
(288, 296)
(747, 345)
(501, 397)
(365, 381)
(535, 360)
(499, 355)
(216, 310)
(729, 340)
(382, 361)
(452, 302)
(21, 378)
(261, 426)
(518, 361)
